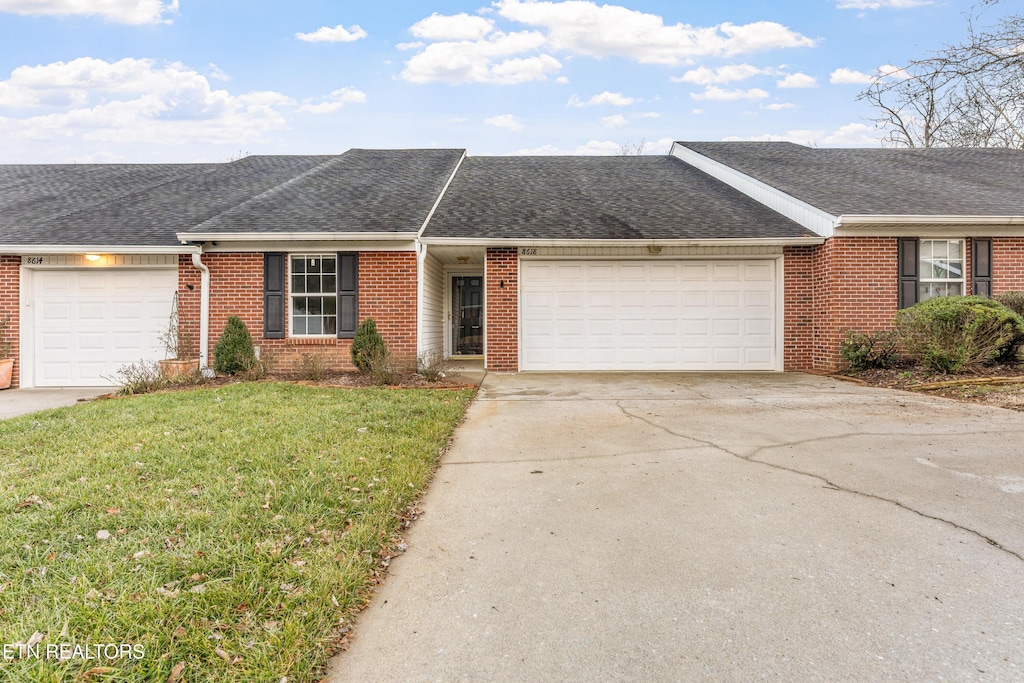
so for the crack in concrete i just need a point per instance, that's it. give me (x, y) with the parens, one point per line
(631, 454)
(825, 480)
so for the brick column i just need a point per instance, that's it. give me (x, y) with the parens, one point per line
(10, 306)
(501, 278)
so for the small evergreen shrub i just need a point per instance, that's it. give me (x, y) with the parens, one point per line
(864, 351)
(234, 351)
(367, 345)
(956, 333)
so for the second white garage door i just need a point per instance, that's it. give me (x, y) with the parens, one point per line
(88, 323)
(644, 315)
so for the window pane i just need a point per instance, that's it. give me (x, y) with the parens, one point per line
(330, 305)
(298, 284)
(330, 325)
(313, 265)
(298, 264)
(298, 325)
(299, 306)
(329, 285)
(315, 326)
(329, 266)
(955, 249)
(315, 305)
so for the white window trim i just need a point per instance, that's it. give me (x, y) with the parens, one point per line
(962, 280)
(292, 294)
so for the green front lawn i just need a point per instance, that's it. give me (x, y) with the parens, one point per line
(245, 525)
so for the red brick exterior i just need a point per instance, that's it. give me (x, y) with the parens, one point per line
(501, 281)
(1007, 264)
(10, 308)
(387, 293)
(799, 326)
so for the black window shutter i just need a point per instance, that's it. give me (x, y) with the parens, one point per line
(908, 267)
(981, 266)
(273, 296)
(348, 294)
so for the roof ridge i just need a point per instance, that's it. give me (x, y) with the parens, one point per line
(269, 191)
(133, 192)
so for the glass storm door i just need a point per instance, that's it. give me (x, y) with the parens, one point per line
(467, 315)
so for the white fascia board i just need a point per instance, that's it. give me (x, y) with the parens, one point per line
(852, 220)
(527, 242)
(811, 217)
(444, 189)
(21, 249)
(295, 236)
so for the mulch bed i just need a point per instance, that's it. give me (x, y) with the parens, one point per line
(976, 386)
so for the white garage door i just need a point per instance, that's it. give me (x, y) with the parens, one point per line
(88, 323)
(648, 315)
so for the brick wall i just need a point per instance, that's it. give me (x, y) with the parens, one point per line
(799, 326)
(1007, 264)
(387, 293)
(10, 307)
(501, 278)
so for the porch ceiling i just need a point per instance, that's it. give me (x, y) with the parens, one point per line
(458, 255)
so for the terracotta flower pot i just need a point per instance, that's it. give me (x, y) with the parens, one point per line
(6, 372)
(179, 366)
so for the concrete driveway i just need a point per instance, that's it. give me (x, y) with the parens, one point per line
(710, 527)
(14, 402)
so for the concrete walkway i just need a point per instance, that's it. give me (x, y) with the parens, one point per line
(14, 402)
(709, 527)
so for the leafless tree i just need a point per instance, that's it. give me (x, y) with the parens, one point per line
(970, 94)
(629, 149)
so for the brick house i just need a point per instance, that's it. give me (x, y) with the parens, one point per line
(718, 256)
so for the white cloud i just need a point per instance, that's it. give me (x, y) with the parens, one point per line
(778, 106)
(338, 34)
(878, 4)
(130, 101)
(723, 74)
(647, 115)
(696, 112)
(455, 27)
(721, 94)
(478, 61)
(850, 135)
(562, 80)
(583, 27)
(890, 71)
(506, 121)
(468, 49)
(614, 121)
(410, 46)
(844, 76)
(798, 80)
(596, 148)
(335, 101)
(119, 11)
(613, 99)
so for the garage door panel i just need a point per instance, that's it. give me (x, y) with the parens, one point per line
(637, 315)
(89, 323)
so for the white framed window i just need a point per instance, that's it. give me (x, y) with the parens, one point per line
(313, 295)
(941, 269)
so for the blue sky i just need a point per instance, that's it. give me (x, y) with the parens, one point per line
(208, 80)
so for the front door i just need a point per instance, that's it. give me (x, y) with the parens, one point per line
(467, 315)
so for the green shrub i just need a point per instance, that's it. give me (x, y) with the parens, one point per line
(234, 351)
(367, 345)
(1012, 300)
(869, 350)
(957, 333)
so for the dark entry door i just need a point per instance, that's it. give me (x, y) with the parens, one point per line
(467, 315)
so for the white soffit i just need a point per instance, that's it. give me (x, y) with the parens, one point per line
(811, 217)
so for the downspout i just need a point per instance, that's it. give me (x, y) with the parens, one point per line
(204, 308)
(421, 274)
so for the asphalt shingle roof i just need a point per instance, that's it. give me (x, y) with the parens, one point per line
(361, 191)
(925, 182)
(614, 198)
(130, 204)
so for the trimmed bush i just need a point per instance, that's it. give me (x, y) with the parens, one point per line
(957, 333)
(234, 351)
(870, 350)
(367, 346)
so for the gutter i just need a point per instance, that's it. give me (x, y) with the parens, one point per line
(848, 220)
(26, 249)
(204, 309)
(530, 242)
